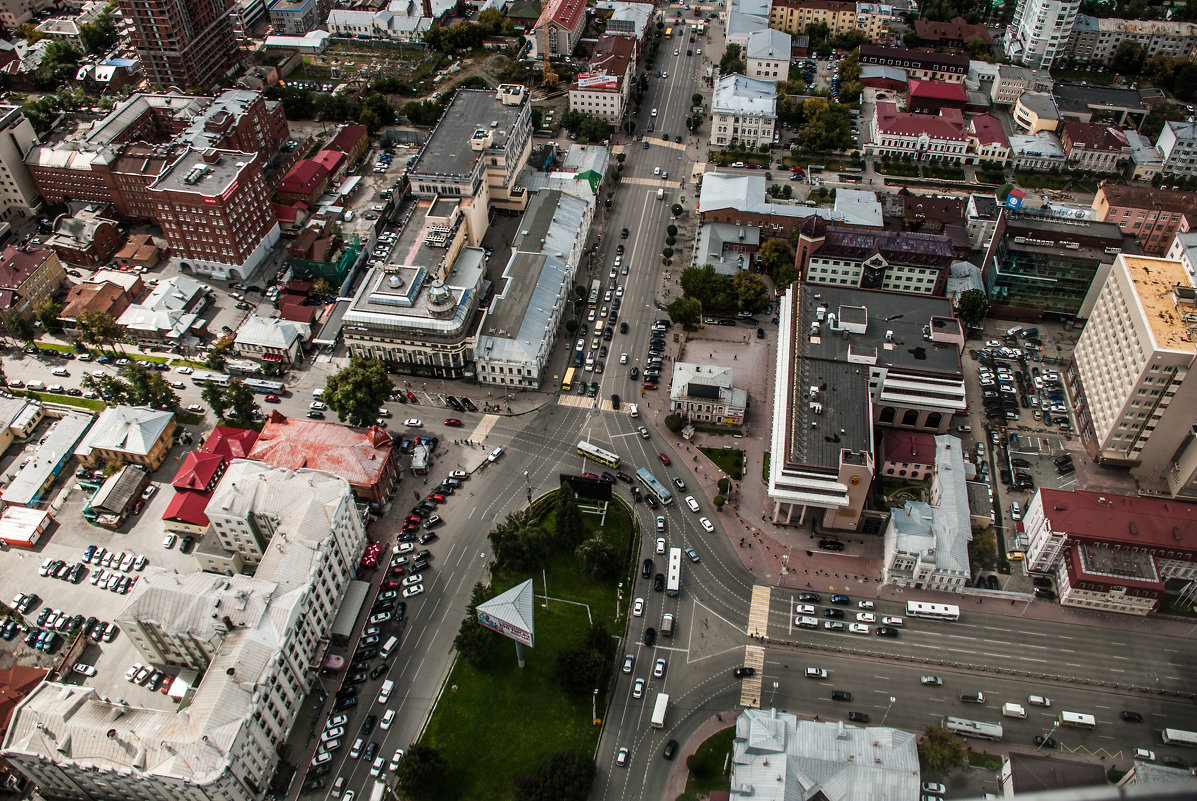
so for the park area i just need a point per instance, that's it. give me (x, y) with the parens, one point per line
(496, 723)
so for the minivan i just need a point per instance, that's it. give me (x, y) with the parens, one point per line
(388, 647)
(667, 625)
(973, 698)
(495, 454)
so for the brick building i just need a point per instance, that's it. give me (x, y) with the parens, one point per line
(1154, 216)
(181, 45)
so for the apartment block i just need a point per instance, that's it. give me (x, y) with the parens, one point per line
(18, 192)
(297, 17)
(561, 25)
(894, 261)
(1129, 375)
(1095, 147)
(1177, 145)
(921, 64)
(1011, 81)
(767, 56)
(604, 89)
(1153, 216)
(1038, 34)
(251, 646)
(182, 45)
(792, 16)
(27, 277)
(743, 111)
(1094, 41)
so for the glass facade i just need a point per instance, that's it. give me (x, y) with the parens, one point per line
(1054, 281)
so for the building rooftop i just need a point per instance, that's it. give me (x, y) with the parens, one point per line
(17, 265)
(1042, 145)
(707, 381)
(449, 151)
(1082, 98)
(711, 240)
(957, 29)
(948, 124)
(126, 429)
(1038, 773)
(988, 130)
(819, 431)
(1042, 105)
(359, 455)
(769, 43)
(903, 57)
(518, 324)
(940, 532)
(1146, 197)
(936, 90)
(737, 94)
(900, 247)
(271, 332)
(32, 480)
(913, 447)
(1154, 281)
(211, 173)
(1120, 518)
(1095, 136)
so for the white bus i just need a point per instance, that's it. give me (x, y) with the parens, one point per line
(1077, 719)
(201, 377)
(597, 454)
(932, 611)
(1179, 737)
(974, 728)
(673, 582)
(658, 720)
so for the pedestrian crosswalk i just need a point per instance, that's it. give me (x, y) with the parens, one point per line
(750, 686)
(583, 402)
(758, 612)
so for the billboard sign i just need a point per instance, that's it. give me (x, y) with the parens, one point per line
(510, 614)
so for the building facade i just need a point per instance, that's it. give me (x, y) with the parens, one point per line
(1177, 145)
(792, 16)
(743, 111)
(1038, 34)
(1095, 147)
(894, 261)
(18, 192)
(181, 45)
(921, 64)
(921, 136)
(297, 17)
(767, 56)
(561, 24)
(28, 277)
(1152, 216)
(1094, 41)
(604, 89)
(704, 393)
(1129, 378)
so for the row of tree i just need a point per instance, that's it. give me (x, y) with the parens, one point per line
(707, 291)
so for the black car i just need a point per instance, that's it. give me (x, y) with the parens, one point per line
(744, 672)
(650, 635)
(401, 610)
(1020, 463)
(858, 717)
(810, 597)
(841, 695)
(428, 536)
(831, 545)
(371, 751)
(1046, 742)
(607, 477)
(1133, 717)
(344, 703)
(623, 328)
(369, 723)
(1045, 594)
(887, 631)
(356, 678)
(619, 250)
(316, 414)
(623, 234)
(367, 653)
(670, 749)
(647, 568)
(380, 670)
(659, 582)
(836, 613)
(312, 785)
(347, 692)
(634, 373)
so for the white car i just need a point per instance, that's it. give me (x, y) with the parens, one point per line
(654, 112)
(403, 547)
(659, 668)
(816, 673)
(412, 422)
(394, 766)
(628, 661)
(195, 407)
(656, 170)
(412, 592)
(660, 549)
(804, 609)
(388, 717)
(858, 628)
(1143, 753)
(934, 788)
(459, 474)
(317, 406)
(376, 768)
(866, 617)
(332, 734)
(186, 371)
(864, 604)
(337, 720)
(621, 758)
(320, 758)
(638, 607)
(623, 358)
(706, 524)
(413, 579)
(84, 668)
(638, 689)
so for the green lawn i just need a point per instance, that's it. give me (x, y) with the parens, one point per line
(492, 726)
(729, 460)
(707, 773)
(991, 762)
(52, 397)
(1173, 605)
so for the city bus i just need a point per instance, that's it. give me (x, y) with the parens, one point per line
(851, 176)
(702, 27)
(597, 454)
(596, 291)
(201, 377)
(655, 487)
(1077, 719)
(673, 581)
(264, 387)
(1179, 737)
(974, 728)
(567, 383)
(932, 611)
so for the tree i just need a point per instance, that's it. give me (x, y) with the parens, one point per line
(519, 542)
(773, 254)
(939, 751)
(98, 37)
(47, 312)
(580, 670)
(219, 353)
(564, 776)
(18, 327)
(100, 329)
(214, 397)
(751, 291)
(1158, 115)
(599, 558)
(570, 530)
(1129, 57)
(719, 500)
(910, 38)
(476, 643)
(674, 422)
(785, 275)
(685, 310)
(240, 400)
(58, 65)
(713, 291)
(982, 548)
(971, 307)
(356, 392)
(420, 772)
(731, 60)
(141, 387)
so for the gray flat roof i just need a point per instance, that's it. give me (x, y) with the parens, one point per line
(843, 420)
(1075, 97)
(185, 175)
(448, 152)
(48, 458)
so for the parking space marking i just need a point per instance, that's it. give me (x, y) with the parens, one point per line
(750, 687)
(758, 612)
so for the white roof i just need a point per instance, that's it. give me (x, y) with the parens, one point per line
(737, 94)
(746, 193)
(48, 459)
(939, 533)
(127, 429)
(769, 43)
(857, 207)
(271, 332)
(1042, 144)
(164, 309)
(711, 375)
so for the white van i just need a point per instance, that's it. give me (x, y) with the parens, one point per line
(633, 410)
(1013, 710)
(388, 647)
(36, 386)
(318, 394)
(1039, 700)
(384, 694)
(495, 454)
(667, 625)
(693, 504)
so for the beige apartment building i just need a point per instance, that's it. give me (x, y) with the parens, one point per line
(1129, 376)
(792, 16)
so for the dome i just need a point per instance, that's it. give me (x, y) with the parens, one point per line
(440, 299)
(813, 227)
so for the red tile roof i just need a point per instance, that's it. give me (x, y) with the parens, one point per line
(566, 13)
(958, 29)
(361, 456)
(303, 177)
(1129, 519)
(297, 312)
(347, 138)
(198, 470)
(948, 126)
(16, 683)
(1093, 136)
(913, 447)
(231, 443)
(937, 90)
(331, 159)
(16, 265)
(988, 130)
(188, 506)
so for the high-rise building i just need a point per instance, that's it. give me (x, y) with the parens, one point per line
(1129, 375)
(1039, 32)
(182, 43)
(18, 194)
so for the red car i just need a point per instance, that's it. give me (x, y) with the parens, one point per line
(436, 497)
(398, 570)
(271, 398)
(590, 475)
(453, 421)
(410, 526)
(664, 459)
(650, 384)
(390, 584)
(411, 396)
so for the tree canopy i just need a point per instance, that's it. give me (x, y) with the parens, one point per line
(137, 386)
(970, 307)
(357, 392)
(564, 776)
(939, 750)
(421, 772)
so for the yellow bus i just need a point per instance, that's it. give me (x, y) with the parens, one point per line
(567, 383)
(669, 33)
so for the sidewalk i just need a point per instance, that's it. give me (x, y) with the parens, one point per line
(679, 773)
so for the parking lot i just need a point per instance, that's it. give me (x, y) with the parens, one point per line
(67, 539)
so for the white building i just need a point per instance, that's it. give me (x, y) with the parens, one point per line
(1177, 144)
(18, 194)
(603, 90)
(921, 136)
(256, 643)
(1129, 377)
(1039, 32)
(926, 544)
(981, 214)
(767, 56)
(169, 314)
(271, 339)
(707, 393)
(743, 110)
(383, 24)
(777, 757)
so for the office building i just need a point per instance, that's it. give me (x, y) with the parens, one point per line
(793, 16)
(1094, 41)
(1040, 265)
(707, 393)
(894, 261)
(1012, 80)
(921, 64)
(182, 45)
(1113, 105)
(1152, 216)
(743, 111)
(939, 137)
(1129, 378)
(18, 192)
(251, 646)
(28, 277)
(767, 56)
(1038, 34)
(605, 88)
(1113, 553)
(1095, 147)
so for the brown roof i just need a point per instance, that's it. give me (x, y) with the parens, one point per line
(839, 6)
(359, 455)
(17, 265)
(956, 29)
(94, 297)
(16, 683)
(1093, 136)
(1145, 197)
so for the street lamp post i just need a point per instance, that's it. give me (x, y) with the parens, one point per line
(887, 709)
(528, 483)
